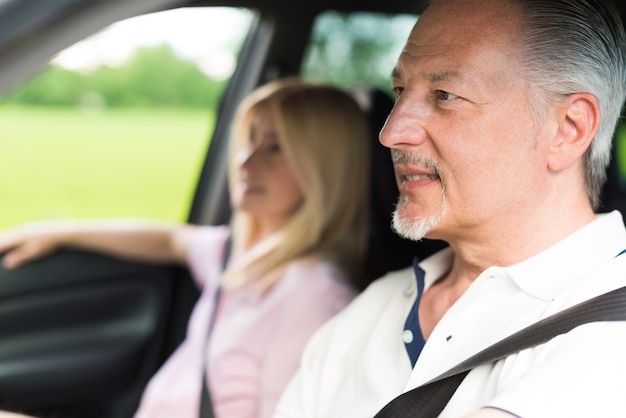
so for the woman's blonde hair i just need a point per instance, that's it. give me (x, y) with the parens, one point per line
(325, 139)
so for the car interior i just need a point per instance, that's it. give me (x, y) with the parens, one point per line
(81, 333)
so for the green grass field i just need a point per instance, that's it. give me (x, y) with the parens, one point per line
(68, 164)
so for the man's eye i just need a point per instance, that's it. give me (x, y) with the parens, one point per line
(444, 95)
(397, 91)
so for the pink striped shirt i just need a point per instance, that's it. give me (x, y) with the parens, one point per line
(256, 342)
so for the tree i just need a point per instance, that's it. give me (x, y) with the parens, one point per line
(53, 87)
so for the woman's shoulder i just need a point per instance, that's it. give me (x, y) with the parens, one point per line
(314, 282)
(314, 270)
(317, 273)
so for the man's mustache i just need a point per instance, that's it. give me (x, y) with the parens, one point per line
(409, 158)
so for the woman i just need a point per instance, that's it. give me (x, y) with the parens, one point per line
(297, 240)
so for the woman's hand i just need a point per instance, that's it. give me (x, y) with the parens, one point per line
(30, 242)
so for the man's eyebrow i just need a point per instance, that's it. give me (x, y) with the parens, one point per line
(441, 76)
(435, 77)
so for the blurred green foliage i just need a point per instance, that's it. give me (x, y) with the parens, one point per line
(357, 48)
(153, 77)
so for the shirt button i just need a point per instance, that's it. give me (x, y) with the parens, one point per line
(407, 336)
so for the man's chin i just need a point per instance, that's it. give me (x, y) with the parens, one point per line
(413, 227)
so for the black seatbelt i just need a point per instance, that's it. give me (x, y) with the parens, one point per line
(429, 400)
(206, 405)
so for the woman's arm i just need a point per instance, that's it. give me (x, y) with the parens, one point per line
(139, 240)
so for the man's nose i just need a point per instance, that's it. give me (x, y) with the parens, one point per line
(404, 126)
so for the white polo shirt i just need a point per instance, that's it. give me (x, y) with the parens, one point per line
(358, 362)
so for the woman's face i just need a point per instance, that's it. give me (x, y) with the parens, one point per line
(267, 188)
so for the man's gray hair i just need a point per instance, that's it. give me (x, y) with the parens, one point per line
(574, 46)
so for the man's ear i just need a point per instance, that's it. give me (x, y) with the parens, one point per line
(579, 118)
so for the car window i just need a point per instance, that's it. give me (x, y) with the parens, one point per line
(362, 49)
(119, 123)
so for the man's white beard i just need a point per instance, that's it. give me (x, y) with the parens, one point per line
(415, 229)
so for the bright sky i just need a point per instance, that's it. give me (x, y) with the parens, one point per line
(209, 36)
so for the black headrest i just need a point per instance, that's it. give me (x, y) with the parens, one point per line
(614, 190)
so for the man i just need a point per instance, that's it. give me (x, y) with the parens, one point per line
(500, 137)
